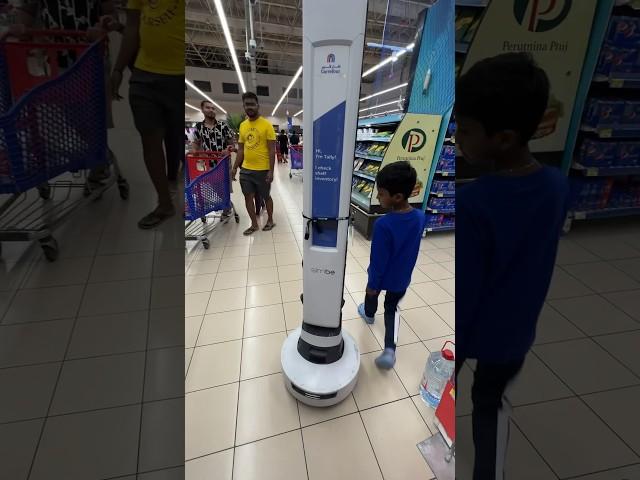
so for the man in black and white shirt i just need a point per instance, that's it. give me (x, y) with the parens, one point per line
(211, 135)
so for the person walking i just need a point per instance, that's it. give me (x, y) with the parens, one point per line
(153, 45)
(283, 143)
(256, 157)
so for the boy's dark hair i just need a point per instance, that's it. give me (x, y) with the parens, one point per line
(398, 177)
(282, 131)
(203, 102)
(505, 92)
(247, 95)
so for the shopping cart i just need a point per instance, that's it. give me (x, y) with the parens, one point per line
(207, 190)
(296, 160)
(52, 122)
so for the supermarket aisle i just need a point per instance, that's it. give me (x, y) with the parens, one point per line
(582, 378)
(242, 296)
(85, 341)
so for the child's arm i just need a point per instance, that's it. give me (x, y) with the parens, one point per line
(380, 248)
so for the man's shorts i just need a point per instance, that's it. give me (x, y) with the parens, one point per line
(255, 181)
(156, 101)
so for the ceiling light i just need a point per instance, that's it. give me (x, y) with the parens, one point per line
(295, 77)
(296, 114)
(191, 106)
(392, 58)
(227, 36)
(384, 91)
(204, 95)
(377, 106)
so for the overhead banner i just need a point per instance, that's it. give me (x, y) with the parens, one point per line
(556, 33)
(415, 142)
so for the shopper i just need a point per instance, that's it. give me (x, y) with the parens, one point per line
(394, 251)
(507, 231)
(212, 135)
(153, 42)
(256, 156)
(294, 139)
(283, 143)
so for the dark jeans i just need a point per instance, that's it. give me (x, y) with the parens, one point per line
(489, 383)
(390, 307)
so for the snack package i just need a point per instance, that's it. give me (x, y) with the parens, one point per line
(624, 31)
(631, 114)
(602, 112)
(606, 59)
(628, 154)
(596, 153)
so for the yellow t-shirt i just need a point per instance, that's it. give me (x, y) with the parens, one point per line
(161, 36)
(254, 135)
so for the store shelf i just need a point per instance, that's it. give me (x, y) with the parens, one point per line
(605, 213)
(435, 211)
(369, 157)
(462, 47)
(613, 132)
(618, 81)
(471, 3)
(442, 195)
(360, 200)
(364, 175)
(373, 139)
(387, 119)
(445, 173)
(607, 171)
(447, 228)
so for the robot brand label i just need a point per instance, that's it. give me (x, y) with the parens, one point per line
(323, 271)
(414, 140)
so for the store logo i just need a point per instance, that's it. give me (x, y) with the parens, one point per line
(331, 67)
(414, 140)
(541, 15)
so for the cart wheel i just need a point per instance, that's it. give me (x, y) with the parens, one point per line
(203, 219)
(44, 191)
(237, 217)
(206, 244)
(50, 248)
(123, 188)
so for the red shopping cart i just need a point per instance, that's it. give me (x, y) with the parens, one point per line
(207, 190)
(52, 122)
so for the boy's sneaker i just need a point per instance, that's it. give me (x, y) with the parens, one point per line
(362, 313)
(387, 359)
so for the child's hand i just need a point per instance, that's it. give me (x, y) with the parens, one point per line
(372, 292)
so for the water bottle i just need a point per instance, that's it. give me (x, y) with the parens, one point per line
(437, 372)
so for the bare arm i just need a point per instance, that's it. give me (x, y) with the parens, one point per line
(130, 41)
(271, 144)
(239, 160)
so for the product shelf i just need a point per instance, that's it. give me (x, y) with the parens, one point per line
(442, 194)
(360, 200)
(447, 228)
(607, 171)
(445, 173)
(442, 212)
(364, 175)
(369, 157)
(619, 81)
(604, 213)
(631, 131)
(373, 139)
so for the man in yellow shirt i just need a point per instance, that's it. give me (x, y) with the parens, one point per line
(257, 157)
(153, 48)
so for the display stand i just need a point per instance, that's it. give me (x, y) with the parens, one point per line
(416, 136)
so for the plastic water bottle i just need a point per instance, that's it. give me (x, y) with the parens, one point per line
(439, 369)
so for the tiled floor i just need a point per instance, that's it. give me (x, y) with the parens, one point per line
(87, 343)
(575, 399)
(242, 299)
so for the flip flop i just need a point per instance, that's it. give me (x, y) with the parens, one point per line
(268, 226)
(250, 231)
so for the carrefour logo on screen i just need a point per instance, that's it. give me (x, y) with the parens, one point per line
(541, 15)
(331, 66)
(414, 140)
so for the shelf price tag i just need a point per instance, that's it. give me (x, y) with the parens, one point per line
(616, 83)
(592, 172)
(606, 133)
(580, 215)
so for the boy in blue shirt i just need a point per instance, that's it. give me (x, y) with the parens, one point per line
(394, 251)
(508, 225)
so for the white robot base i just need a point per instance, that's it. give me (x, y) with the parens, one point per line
(315, 384)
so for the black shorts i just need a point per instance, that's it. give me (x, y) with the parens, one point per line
(155, 101)
(284, 151)
(255, 181)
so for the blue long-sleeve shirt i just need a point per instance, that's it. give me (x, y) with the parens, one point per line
(394, 250)
(507, 233)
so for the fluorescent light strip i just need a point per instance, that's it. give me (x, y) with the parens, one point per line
(392, 58)
(377, 106)
(191, 106)
(371, 115)
(295, 77)
(227, 36)
(296, 114)
(385, 91)
(204, 95)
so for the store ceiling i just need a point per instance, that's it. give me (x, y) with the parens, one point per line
(278, 32)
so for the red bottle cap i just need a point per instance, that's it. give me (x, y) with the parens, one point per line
(448, 354)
